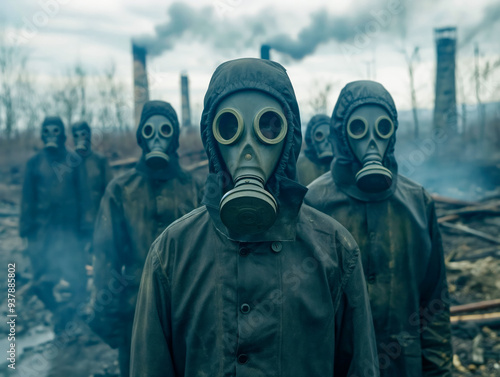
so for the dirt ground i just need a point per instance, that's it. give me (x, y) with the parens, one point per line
(473, 263)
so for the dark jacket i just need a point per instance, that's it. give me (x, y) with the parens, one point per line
(95, 174)
(137, 206)
(51, 214)
(308, 170)
(290, 301)
(309, 165)
(401, 249)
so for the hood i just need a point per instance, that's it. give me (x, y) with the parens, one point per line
(81, 125)
(159, 108)
(345, 165)
(55, 120)
(270, 78)
(173, 169)
(315, 121)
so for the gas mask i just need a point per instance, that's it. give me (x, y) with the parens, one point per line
(157, 134)
(250, 128)
(82, 139)
(52, 136)
(321, 142)
(369, 130)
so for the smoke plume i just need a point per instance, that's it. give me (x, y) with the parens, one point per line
(236, 33)
(491, 17)
(204, 25)
(322, 28)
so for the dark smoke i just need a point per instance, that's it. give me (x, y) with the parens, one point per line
(322, 28)
(205, 25)
(250, 31)
(491, 17)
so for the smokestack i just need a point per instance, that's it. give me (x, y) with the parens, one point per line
(445, 107)
(265, 52)
(186, 111)
(141, 90)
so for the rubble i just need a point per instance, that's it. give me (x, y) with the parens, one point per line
(470, 232)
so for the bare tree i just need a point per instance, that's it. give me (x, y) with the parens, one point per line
(320, 97)
(14, 85)
(112, 102)
(69, 99)
(411, 61)
(483, 86)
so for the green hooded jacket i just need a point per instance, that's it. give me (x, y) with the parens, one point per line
(290, 301)
(309, 165)
(136, 207)
(401, 249)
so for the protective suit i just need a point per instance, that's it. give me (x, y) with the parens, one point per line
(51, 218)
(137, 206)
(318, 155)
(249, 296)
(395, 225)
(95, 174)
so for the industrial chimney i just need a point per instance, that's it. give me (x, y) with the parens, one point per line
(445, 107)
(186, 110)
(265, 52)
(141, 90)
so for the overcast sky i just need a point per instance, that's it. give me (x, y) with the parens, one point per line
(322, 41)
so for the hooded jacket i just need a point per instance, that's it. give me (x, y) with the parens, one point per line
(309, 166)
(400, 245)
(51, 220)
(94, 175)
(136, 207)
(290, 301)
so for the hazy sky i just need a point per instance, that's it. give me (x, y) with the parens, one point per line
(323, 41)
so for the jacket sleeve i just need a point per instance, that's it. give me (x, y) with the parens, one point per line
(110, 242)
(106, 172)
(28, 203)
(356, 348)
(435, 330)
(151, 349)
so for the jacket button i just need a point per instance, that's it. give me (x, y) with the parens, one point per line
(244, 251)
(242, 358)
(245, 308)
(276, 246)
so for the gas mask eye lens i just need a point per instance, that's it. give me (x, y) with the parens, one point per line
(56, 131)
(227, 126)
(147, 131)
(45, 131)
(270, 126)
(319, 135)
(384, 127)
(166, 130)
(357, 128)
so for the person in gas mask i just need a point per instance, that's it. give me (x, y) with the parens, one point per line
(137, 206)
(95, 175)
(318, 155)
(50, 219)
(253, 281)
(394, 222)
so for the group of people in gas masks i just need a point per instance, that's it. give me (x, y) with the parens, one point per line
(259, 275)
